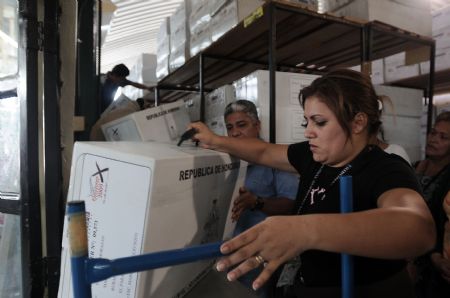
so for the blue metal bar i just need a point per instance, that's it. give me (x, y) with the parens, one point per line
(100, 269)
(346, 203)
(86, 271)
(78, 248)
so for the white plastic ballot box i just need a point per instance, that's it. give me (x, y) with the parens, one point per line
(144, 197)
(164, 123)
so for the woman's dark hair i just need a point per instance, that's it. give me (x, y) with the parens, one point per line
(120, 70)
(346, 92)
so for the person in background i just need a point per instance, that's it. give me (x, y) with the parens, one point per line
(390, 222)
(112, 80)
(432, 271)
(267, 191)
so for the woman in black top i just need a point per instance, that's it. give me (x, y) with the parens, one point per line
(390, 221)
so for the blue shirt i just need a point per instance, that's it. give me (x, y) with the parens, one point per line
(266, 183)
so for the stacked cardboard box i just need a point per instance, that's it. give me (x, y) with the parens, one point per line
(400, 12)
(163, 123)
(441, 34)
(402, 118)
(163, 49)
(179, 36)
(215, 103)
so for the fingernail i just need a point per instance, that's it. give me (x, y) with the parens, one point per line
(220, 266)
(256, 286)
(231, 276)
(224, 249)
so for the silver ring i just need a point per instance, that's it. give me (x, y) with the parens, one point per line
(259, 259)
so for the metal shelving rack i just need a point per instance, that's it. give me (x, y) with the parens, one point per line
(282, 36)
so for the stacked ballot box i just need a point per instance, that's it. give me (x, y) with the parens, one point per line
(164, 123)
(144, 197)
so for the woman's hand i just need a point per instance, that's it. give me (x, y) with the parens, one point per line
(204, 135)
(270, 243)
(245, 200)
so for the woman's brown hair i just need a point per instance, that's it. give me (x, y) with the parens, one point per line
(346, 93)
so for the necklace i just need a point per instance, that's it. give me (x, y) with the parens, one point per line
(324, 191)
(292, 268)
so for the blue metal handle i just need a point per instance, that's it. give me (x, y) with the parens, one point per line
(76, 214)
(346, 203)
(86, 271)
(100, 269)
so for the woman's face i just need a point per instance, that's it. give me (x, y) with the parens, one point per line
(327, 140)
(438, 141)
(241, 125)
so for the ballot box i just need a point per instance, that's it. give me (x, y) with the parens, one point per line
(144, 197)
(164, 123)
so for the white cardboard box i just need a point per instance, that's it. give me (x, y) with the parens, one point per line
(164, 123)
(405, 101)
(441, 61)
(162, 68)
(217, 100)
(441, 18)
(442, 37)
(401, 13)
(395, 68)
(146, 197)
(179, 26)
(289, 113)
(229, 15)
(401, 120)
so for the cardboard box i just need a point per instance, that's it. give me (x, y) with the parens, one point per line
(395, 68)
(162, 68)
(441, 61)
(165, 123)
(147, 197)
(200, 39)
(179, 26)
(377, 71)
(403, 131)
(230, 14)
(163, 49)
(217, 125)
(401, 119)
(442, 37)
(289, 113)
(163, 40)
(179, 56)
(401, 12)
(217, 100)
(192, 102)
(406, 102)
(441, 18)
(200, 14)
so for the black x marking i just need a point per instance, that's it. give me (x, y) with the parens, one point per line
(100, 172)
